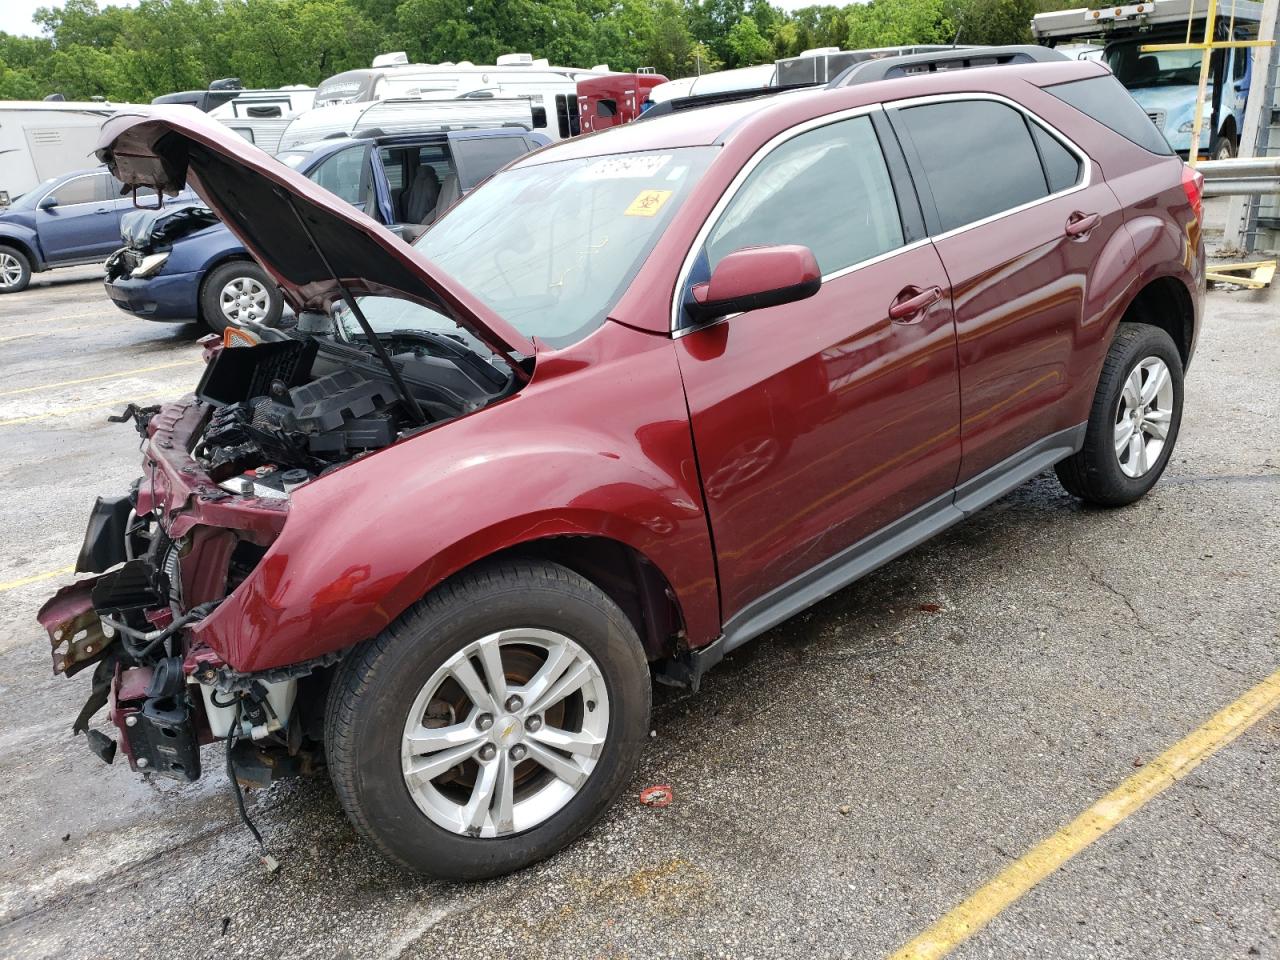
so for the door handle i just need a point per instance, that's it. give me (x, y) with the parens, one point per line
(1079, 224)
(103, 210)
(909, 305)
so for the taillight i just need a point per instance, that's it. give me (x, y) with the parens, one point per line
(1193, 187)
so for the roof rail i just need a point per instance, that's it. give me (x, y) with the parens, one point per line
(960, 58)
(712, 99)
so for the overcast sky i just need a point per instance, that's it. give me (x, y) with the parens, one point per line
(17, 13)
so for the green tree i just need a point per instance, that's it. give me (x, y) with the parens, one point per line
(746, 45)
(670, 43)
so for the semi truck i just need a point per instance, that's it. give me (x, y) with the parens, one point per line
(1165, 82)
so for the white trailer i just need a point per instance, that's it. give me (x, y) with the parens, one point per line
(721, 81)
(552, 91)
(262, 116)
(41, 139)
(406, 116)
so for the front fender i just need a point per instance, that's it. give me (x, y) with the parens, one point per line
(598, 444)
(24, 237)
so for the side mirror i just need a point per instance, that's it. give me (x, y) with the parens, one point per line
(756, 277)
(49, 202)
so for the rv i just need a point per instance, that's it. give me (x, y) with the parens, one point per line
(261, 116)
(40, 140)
(218, 93)
(383, 117)
(1166, 82)
(552, 91)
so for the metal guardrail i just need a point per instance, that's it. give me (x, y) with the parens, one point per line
(1242, 176)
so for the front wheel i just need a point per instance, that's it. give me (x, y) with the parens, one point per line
(15, 270)
(492, 724)
(1134, 423)
(1224, 148)
(238, 292)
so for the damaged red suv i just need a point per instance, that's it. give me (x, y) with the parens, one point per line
(637, 399)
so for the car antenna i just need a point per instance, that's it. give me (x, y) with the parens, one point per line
(402, 388)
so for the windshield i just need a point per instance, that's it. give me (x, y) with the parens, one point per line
(551, 247)
(27, 201)
(1167, 68)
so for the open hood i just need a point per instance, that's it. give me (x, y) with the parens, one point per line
(266, 204)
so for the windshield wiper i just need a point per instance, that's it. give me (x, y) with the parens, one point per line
(402, 388)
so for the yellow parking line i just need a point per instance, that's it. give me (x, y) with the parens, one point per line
(105, 376)
(66, 411)
(48, 574)
(986, 903)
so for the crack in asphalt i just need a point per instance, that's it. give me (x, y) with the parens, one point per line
(1110, 588)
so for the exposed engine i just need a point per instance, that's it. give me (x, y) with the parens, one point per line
(287, 409)
(218, 472)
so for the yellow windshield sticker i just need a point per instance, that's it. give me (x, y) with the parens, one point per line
(647, 203)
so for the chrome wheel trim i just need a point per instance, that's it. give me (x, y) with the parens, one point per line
(10, 271)
(504, 728)
(244, 299)
(1144, 413)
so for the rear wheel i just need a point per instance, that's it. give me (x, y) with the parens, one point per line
(1134, 423)
(15, 270)
(492, 724)
(238, 292)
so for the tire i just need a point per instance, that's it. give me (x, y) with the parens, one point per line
(1224, 148)
(15, 270)
(1110, 470)
(262, 302)
(384, 686)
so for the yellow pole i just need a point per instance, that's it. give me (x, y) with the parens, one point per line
(1197, 122)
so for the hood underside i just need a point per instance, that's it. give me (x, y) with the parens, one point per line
(291, 226)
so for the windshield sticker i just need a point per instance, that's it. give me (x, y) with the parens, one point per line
(647, 203)
(617, 168)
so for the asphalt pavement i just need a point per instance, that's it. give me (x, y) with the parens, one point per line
(839, 784)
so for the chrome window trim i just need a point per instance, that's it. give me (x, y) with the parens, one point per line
(1085, 180)
(52, 191)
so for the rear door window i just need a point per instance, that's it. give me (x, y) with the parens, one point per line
(827, 189)
(977, 156)
(1062, 168)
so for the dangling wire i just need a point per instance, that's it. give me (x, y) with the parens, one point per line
(269, 860)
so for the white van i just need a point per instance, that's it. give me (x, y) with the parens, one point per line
(552, 91)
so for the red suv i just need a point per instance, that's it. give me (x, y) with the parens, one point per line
(637, 399)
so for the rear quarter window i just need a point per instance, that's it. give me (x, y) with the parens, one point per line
(480, 157)
(1108, 102)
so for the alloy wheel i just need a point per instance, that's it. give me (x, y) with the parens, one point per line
(243, 300)
(1143, 415)
(505, 733)
(10, 271)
